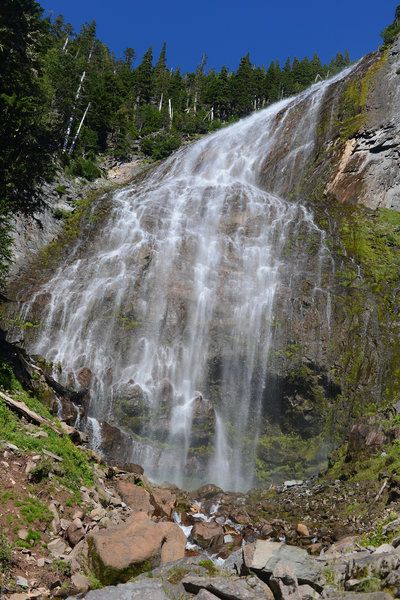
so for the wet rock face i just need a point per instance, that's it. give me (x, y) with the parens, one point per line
(233, 330)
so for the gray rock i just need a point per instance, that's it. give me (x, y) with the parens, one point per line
(360, 596)
(138, 590)
(263, 556)
(204, 595)
(283, 582)
(378, 565)
(229, 588)
(58, 548)
(234, 564)
(306, 592)
(22, 582)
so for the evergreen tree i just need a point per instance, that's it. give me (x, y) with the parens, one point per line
(144, 78)
(244, 87)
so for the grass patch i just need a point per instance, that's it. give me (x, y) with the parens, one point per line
(208, 564)
(73, 471)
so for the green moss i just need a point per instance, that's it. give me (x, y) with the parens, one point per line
(354, 101)
(211, 568)
(111, 576)
(176, 574)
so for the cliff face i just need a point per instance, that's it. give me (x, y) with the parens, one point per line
(304, 198)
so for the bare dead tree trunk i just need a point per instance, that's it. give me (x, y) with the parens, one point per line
(161, 103)
(79, 130)
(64, 48)
(171, 112)
(77, 96)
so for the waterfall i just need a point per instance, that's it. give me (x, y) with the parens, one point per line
(170, 311)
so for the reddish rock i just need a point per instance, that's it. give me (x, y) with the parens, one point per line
(302, 530)
(366, 436)
(85, 377)
(208, 535)
(135, 496)
(118, 553)
(164, 501)
(75, 532)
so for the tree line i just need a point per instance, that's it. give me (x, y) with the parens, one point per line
(65, 98)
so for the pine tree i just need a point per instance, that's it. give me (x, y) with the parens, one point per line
(161, 77)
(244, 87)
(144, 78)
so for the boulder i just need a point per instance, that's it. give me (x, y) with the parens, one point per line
(204, 595)
(302, 530)
(164, 502)
(136, 497)
(366, 436)
(137, 590)
(229, 588)
(75, 532)
(58, 548)
(118, 553)
(263, 556)
(283, 582)
(207, 492)
(361, 596)
(80, 583)
(208, 535)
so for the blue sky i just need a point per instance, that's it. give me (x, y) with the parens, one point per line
(227, 29)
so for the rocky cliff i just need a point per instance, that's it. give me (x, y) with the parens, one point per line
(328, 350)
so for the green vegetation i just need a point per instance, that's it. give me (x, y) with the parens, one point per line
(208, 564)
(354, 101)
(176, 574)
(33, 510)
(45, 121)
(5, 554)
(390, 33)
(74, 469)
(61, 567)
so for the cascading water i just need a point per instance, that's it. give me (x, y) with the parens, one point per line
(168, 313)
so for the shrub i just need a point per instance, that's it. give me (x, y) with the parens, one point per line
(83, 167)
(161, 145)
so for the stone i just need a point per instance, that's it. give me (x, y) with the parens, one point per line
(262, 557)
(302, 530)
(372, 565)
(164, 502)
(283, 582)
(98, 513)
(123, 551)
(57, 548)
(360, 596)
(85, 377)
(22, 582)
(207, 492)
(134, 496)
(75, 532)
(19, 597)
(231, 588)
(149, 589)
(80, 583)
(65, 523)
(208, 535)
(306, 592)
(204, 595)
(384, 549)
(40, 562)
(366, 436)
(23, 534)
(234, 564)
